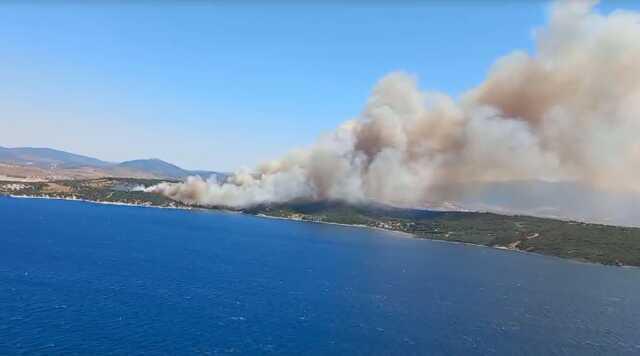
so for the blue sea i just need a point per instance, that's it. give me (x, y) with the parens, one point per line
(85, 279)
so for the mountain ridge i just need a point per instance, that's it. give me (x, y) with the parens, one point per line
(45, 157)
(49, 163)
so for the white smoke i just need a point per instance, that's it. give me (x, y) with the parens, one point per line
(569, 111)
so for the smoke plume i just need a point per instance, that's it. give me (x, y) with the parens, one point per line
(570, 111)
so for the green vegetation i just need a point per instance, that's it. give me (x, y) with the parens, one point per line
(108, 190)
(587, 242)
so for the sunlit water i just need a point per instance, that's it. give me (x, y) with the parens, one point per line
(80, 278)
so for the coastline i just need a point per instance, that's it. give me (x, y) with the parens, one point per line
(96, 201)
(413, 236)
(398, 233)
(406, 234)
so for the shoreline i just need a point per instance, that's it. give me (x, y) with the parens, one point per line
(398, 233)
(413, 236)
(46, 197)
(406, 234)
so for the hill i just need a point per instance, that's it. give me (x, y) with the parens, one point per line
(599, 243)
(160, 168)
(31, 163)
(48, 158)
(156, 167)
(568, 200)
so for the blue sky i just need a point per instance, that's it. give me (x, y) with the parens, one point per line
(215, 86)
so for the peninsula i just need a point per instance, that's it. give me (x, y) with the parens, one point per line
(605, 244)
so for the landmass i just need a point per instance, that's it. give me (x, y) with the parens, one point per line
(46, 164)
(100, 190)
(599, 243)
(605, 244)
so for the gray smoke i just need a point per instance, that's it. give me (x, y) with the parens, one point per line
(570, 111)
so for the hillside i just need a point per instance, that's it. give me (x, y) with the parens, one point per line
(156, 167)
(160, 168)
(569, 200)
(29, 163)
(604, 244)
(107, 190)
(47, 158)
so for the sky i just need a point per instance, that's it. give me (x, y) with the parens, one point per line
(209, 85)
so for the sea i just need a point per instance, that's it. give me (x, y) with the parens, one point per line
(79, 278)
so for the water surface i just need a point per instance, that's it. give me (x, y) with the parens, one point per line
(81, 278)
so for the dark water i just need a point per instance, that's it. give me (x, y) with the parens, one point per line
(79, 278)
